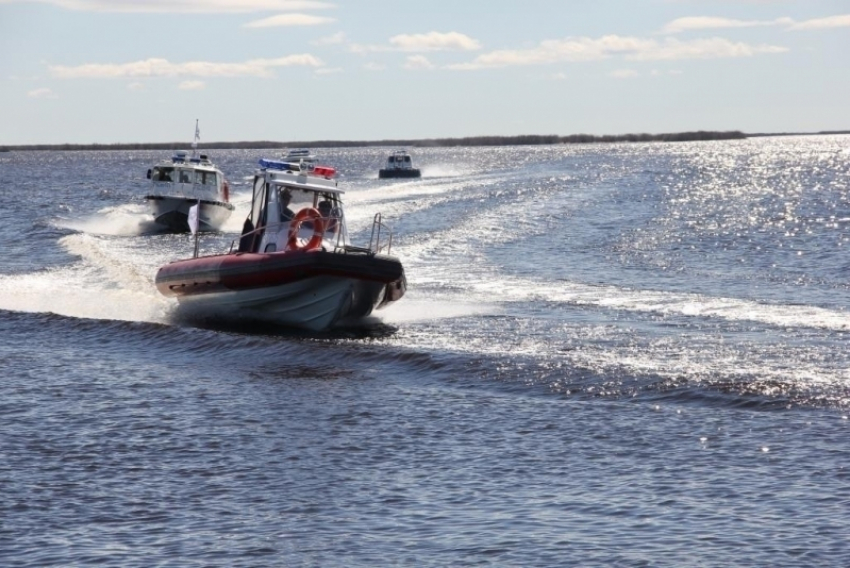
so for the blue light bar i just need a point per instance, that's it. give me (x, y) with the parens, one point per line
(278, 165)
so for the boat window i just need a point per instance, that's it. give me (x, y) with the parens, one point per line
(330, 208)
(331, 214)
(162, 174)
(185, 176)
(259, 204)
(299, 198)
(205, 178)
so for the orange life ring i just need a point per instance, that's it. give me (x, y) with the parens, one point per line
(311, 214)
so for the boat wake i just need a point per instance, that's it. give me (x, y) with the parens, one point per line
(102, 285)
(442, 170)
(128, 220)
(135, 220)
(424, 310)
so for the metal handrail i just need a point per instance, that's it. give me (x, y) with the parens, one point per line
(380, 241)
(375, 239)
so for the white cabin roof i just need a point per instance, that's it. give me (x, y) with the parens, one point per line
(181, 158)
(277, 173)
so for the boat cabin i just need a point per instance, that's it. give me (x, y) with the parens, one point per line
(294, 210)
(399, 160)
(191, 177)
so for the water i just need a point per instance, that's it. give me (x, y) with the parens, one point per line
(609, 355)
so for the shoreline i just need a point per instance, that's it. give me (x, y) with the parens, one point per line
(525, 140)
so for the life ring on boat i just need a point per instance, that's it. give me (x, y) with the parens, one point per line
(226, 192)
(306, 214)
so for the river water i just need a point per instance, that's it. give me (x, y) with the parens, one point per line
(608, 355)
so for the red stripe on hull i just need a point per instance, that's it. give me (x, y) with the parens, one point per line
(245, 271)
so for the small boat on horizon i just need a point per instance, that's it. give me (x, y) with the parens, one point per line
(303, 157)
(399, 165)
(185, 181)
(293, 263)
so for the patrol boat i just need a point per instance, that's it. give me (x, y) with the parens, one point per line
(293, 263)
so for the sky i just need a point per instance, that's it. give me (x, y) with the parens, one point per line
(125, 71)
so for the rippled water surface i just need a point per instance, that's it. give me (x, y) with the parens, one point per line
(609, 355)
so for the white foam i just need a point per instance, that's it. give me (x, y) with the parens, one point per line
(124, 220)
(104, 285)
(410, 310)
(71, 292)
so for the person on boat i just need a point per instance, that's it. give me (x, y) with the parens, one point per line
(286, 214)
(326, 208)
(248, 238)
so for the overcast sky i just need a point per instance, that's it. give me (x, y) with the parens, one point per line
(111, 71)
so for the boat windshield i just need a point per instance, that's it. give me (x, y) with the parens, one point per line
(163, 173)
(291, 200)
(206, 178)
(184, 175)
(399, 161)
(297, 198)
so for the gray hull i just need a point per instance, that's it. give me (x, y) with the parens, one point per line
(172, 213)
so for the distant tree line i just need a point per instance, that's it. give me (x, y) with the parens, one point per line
(525, 140)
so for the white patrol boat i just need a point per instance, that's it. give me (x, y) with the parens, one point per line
(185, 181)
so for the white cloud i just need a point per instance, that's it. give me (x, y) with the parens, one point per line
(191, 85)
(372, 66)
(182, 6)
(631, 48)
(334, 39)
(163, 68)
(431, 41)
(711, 48)
(707, 23)
(554, 51)
(283, 20)
(657, 73)
(43, 93)
(136, 86)
(842, 21)
(418, 62)
(434, 41)
(623, 73)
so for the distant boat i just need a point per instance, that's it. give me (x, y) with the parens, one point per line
(399, 165)
(184, 181)
(294, 264)
(300, 156)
